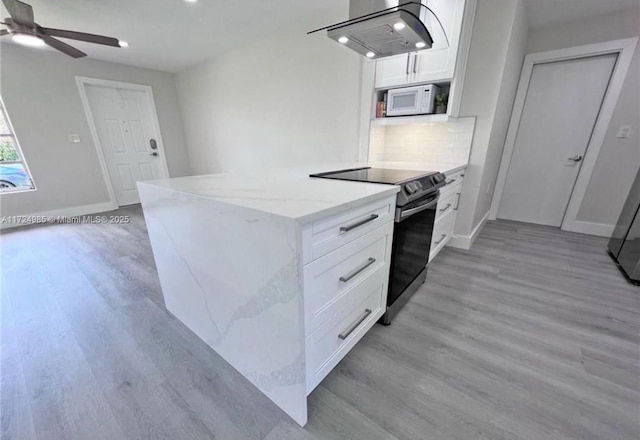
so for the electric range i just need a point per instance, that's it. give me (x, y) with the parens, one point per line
(414, 221)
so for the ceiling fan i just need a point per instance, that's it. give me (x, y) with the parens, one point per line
(24, 30)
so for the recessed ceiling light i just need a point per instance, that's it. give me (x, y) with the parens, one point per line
(190, 1)
(399, 26)
(420, 44)
(370, 54)
(343, 40)
(28, 40)
(123, 43)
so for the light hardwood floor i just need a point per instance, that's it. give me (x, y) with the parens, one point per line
(533, 334)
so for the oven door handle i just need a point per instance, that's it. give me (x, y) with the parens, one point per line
(409, 212)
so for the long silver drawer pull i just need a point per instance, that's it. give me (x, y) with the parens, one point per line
(360, 223)
(345, 334)
(446, 207)
(449, 182)
(357, 270)
(440, 241)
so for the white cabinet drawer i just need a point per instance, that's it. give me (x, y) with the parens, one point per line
(332, 341)
(442, 233)
(335, 281)
(453, 179)
(447, 204)
(454, 188)
(323, 236)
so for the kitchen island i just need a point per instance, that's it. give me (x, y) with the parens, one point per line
(280, 274)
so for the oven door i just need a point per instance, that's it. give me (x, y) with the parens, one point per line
(403, 102)
(411, 243)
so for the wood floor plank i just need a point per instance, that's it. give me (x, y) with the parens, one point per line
(234, 408)
(331, 418)
(555, 357)
(16, 419)
(621, 372)
(557, 396)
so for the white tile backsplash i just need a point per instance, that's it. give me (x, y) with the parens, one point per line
(427, 142)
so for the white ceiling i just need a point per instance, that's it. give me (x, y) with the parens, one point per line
(172, 35)
(548, 12)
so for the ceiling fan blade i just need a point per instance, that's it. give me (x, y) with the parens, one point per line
(20, 12)
(63, 47)
(81, 36)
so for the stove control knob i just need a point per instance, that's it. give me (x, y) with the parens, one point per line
(411, 188)
(418, 185)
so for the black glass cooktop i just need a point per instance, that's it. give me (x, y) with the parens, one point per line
(375, 175)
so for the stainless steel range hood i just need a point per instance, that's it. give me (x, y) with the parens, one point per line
(381, 28)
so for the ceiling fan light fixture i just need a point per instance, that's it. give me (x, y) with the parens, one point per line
(22, 28)
(27, 39)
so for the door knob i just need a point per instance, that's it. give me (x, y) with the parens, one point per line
(576, 158)
(155, 153)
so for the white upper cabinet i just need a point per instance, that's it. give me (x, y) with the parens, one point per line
(394, 71)
(431, 65)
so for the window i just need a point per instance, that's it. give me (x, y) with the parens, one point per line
(14, 174)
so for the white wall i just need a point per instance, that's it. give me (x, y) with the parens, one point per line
(619, 159)
(289, 99)
(495, 61)
(39, 90)
(504, 106)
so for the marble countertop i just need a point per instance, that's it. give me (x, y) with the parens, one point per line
(290, 192)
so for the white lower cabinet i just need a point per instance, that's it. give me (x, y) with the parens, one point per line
(329, 343)
(446, 204)
(345, 288)
(442, 233)
(333, 281)
(446, 212)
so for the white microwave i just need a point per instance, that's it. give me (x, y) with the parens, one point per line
(418, 100)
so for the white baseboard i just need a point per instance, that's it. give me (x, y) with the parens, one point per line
(599, 229)
(466, 241)
(23, 220)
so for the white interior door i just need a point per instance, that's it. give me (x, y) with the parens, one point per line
(560, 111)
(128, 139)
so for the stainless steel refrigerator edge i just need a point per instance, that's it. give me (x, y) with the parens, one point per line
(624, 245)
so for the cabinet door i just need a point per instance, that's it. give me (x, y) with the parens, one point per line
(439, 62)
(393, 71)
